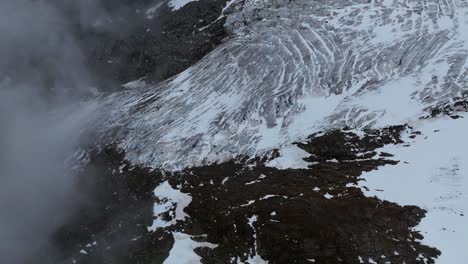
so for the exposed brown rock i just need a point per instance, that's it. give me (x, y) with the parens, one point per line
(301, 214)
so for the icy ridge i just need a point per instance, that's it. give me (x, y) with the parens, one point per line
(292, 69)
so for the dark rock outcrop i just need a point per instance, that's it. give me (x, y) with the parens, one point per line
(128, 42)
(248, 209)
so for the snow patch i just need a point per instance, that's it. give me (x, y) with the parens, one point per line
(182, 250)
(254, 258)
(172, 201)
(432, 174)
(178, 4)
(291, 157)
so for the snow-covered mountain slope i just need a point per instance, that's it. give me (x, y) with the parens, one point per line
(292, 69)
(432, 174)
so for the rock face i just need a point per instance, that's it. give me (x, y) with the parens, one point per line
(128, 40)
(247, 211)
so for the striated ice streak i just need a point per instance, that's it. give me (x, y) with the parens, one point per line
(292, 68)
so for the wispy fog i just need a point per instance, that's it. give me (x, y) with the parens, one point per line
(43, 81)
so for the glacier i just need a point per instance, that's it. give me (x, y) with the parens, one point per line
(292, 68)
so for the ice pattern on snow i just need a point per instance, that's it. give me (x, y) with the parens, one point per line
(291, 69)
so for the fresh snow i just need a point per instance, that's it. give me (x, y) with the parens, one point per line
(169, 198)
(291, 157)
(182, 250)
(432, 174)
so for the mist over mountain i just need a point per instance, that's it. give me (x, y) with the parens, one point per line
(49, 75)
(241, 131)
(42, 73)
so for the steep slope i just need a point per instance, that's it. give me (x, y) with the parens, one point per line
(152, 39)
(281, 144)
(291, 70)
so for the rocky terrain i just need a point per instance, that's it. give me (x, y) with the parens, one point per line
(149, 40)
(245, 211)
(271, 131)
(123, 41)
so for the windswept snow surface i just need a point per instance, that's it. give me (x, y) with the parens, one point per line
(293, 69)
(432, 174)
